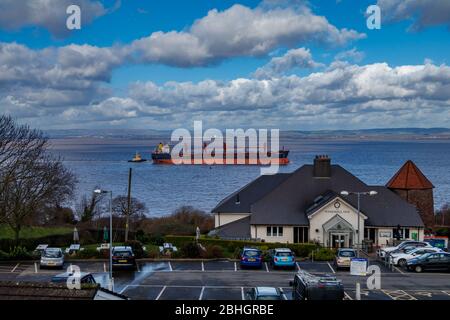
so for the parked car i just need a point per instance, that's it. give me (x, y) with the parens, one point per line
(123, 257)
(282, 257)
(400, 259)
(344, 257)
(265, 293)
(429, 261)
(52, 258)
(251, 257)
(310, 287)
(386, 250)
(84, 278)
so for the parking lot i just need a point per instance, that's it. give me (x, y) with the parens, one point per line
(225, 280)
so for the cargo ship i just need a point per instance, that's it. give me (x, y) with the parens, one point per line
(162, 155)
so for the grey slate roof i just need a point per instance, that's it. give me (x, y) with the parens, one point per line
(239, 229)
(250, 193)
(286, 199)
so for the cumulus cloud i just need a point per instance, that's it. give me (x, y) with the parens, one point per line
(239, 31)
(49, 14)
(422, 13)
(350, 55)
(294, 58)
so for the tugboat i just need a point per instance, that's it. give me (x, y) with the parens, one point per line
(137, 158)
(162, 155)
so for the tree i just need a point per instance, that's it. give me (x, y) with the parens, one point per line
(87, 209)
(120, 208)
(30, 179)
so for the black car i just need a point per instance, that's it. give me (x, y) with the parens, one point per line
(430, 261)
(123, 257)
(310, 287)
(85, 278)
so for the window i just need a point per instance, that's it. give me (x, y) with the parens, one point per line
(274, 231)
(300, 234)
(402, 233)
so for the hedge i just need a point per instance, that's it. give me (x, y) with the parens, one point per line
(300, 249)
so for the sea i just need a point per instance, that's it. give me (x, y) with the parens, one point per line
(103, 163)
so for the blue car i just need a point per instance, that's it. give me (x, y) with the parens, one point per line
(282, 257)
(251, 257)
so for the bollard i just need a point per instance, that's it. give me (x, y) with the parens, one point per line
(358, 291)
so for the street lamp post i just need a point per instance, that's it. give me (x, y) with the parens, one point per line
(359, 194)
(111, 280)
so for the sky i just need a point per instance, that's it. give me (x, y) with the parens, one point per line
(287, 64)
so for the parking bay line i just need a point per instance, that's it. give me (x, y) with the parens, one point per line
(201, 293)
(298, 266)
(14, 269)
(203, 266)
(235, 266)
(267, 267)
(124, 289)
(161, 292)
(242, 293)
(398, 295)
(347, 296)
(170, 267)
(35, 268)
(331, 267)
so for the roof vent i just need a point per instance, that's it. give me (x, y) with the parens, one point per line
(322, 166)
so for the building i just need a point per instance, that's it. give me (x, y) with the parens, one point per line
(307, 206)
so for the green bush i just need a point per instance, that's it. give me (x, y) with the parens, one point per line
(3, 255)
(20, 253)
(213, 252)
(136, 246)
(89, 253)
(300, 249)
(190, 250)
(323, 254)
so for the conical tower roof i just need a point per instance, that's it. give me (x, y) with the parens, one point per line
(409, 177)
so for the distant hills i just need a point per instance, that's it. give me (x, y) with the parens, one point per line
(139, 134)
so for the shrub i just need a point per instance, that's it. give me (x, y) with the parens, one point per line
(3, 255)
(20, 253)
(90, 254)
(324, 254)
(190, 250)
(136, 246)
(212, 252)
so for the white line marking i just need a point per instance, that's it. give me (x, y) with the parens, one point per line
(104, 267)
(14, 269)
(235, 266)
(203, 266)
(347, 296)
(331, 267)
(242, 293)
(35, 268)
(298, 266)
(398, 295)
(267, 267)
(160, 294)
(398, 269)
(283, 294)
(170, 266)
(201, 293)
(137, 267)
(446, 292)
(123, 290)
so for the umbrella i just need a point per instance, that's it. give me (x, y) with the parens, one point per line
(105, 234)
(76, 236)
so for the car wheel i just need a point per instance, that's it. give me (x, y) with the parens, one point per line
(418, 269)
(402, 262)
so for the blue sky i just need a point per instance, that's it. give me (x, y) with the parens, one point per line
(141, 84)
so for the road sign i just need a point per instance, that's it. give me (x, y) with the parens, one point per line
(358, 267)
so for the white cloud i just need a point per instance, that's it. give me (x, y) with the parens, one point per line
(239, 31)
(294, 58)
(49, 14)
(423, 13)
(350, 55)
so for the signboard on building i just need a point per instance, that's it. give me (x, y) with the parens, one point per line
(358, 267)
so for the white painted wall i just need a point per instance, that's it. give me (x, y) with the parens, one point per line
(261, 232)
(318, 219)
(227, 218)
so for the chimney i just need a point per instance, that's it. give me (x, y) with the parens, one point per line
(322, 167)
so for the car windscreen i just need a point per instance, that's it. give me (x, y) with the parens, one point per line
(252, 253)
(347, 253)
(52, 254)
(284, 254)
(122, 254)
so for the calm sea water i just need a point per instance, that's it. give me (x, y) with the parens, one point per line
(165, 188)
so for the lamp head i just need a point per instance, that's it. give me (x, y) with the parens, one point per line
(344, 193)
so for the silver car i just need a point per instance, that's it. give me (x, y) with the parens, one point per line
(52, 258)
